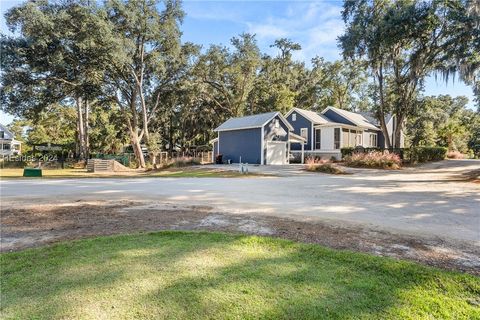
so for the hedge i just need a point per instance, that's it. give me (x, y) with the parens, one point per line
(349, 151)
(413, 155)
(425, 154)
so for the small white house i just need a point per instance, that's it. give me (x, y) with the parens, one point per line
(8, 145)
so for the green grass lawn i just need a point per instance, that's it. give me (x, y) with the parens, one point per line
(187, 275)
(186, 172)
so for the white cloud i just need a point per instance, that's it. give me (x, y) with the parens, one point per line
(267, 30)
(315, 25)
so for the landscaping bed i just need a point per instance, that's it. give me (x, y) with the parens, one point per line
(189, 275)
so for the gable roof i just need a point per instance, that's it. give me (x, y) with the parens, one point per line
(372, 119)
(312, 116)
(8, 135)
(250, 122)
(356, 118)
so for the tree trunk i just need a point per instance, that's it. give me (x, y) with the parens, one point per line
(381, 113)
(81, 129)
(397, 134)
(137, 147)
(86, 129)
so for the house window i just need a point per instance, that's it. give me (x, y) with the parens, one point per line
(336, 138)
(373, 140)
(346, 136)
(358, 138)
(294, 117)
(277, 124)
(304, 134)
(318, 137)
(2, 134)
(6, 147)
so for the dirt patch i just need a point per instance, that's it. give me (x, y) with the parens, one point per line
(31, 226)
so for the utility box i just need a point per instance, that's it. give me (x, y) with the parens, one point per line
(32, 172)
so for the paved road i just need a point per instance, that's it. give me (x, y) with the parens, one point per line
(430, 201)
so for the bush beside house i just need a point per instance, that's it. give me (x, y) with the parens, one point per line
(412, 155)
(326, 166)
(425, 154)
(374, 159)
(183, 162)
(455, 155)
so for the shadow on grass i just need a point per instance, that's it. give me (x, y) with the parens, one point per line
(204, 275)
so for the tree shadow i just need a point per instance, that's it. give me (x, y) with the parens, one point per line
(306, 282)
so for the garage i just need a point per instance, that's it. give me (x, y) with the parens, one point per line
(276, 152)
(256, 139)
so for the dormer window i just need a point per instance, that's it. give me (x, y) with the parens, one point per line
(2, 134)
(294, 117)
(277, 124)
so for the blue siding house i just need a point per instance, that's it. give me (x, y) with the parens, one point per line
(328, 131)
(271, 138)
(256, 139)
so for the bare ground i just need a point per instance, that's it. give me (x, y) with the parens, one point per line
(28, 226)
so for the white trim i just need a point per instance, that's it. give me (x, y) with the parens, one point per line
(240, 128)
(311, 141)
(343, 125)
(339, 140)
(315, 140)
(289, 112)
(262, 145)
(343, 115)
(213, 140)
(318, 151)
(306, 139)
(294, 136)
(298, 110)
(289, 126)
(350, 119)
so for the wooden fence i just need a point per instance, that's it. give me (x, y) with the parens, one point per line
(96, 165)
(203, 157)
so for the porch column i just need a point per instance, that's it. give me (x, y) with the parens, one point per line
(288, 151)
(303, 153)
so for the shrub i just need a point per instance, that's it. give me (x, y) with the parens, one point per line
(13, 164)
(374, 159)
(296, 157)
(455, 155)
(318, 165)
(424, 154)
(183, 162)
(349, 151)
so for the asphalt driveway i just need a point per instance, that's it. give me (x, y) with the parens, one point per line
(433, 200)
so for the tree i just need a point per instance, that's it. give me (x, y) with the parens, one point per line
(462, 48)
(277, 84)
(403, 42)
(341, 84)
(226, 78)
(150, 41)
(55, 124)
(60, 55)
(108, 132)
(442, 120)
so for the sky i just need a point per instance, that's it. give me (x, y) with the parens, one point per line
(314, 24)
